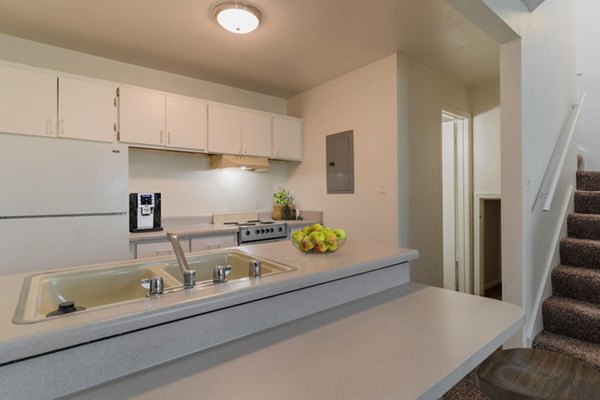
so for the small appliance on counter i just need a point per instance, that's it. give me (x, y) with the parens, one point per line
(144, 212)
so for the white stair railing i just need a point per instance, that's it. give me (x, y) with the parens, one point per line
(557, 161)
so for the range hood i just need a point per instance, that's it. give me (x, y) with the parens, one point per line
(229, 161)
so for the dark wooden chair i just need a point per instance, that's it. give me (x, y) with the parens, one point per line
(524, 374)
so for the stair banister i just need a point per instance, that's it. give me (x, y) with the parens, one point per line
(557, 161)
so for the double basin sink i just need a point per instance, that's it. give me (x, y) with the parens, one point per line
(104, 286)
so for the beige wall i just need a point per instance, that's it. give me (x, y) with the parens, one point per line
(365, 101)
(424, 91)
(394, 106)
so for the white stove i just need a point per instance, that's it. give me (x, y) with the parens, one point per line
(252, 229)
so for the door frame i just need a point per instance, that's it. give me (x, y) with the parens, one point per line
(459, 275)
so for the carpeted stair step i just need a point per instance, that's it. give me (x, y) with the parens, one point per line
(584, 226)
(588, 180)
(580, 252)
(587, 202)
(579, 283)
(573, 318)
(587, 352)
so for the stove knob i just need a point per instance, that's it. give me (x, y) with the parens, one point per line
(257, 231)
(247, 232)
(271, 230)
(280, 229)
(262, 231)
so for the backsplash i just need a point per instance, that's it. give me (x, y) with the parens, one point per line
(190, 187)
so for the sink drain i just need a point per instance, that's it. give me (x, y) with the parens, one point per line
(65, 307)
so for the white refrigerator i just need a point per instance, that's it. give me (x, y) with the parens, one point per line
(62, 203)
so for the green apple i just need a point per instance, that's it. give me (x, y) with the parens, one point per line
(332, 246)
(341, 234)
(321, 247)
(330, 236)
(317, 236)
(298, 236)
(307, 229)
(317, 227)
(306, 244)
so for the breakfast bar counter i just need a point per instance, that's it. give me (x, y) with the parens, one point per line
(411, 342)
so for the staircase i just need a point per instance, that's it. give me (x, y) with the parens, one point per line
(572, 314)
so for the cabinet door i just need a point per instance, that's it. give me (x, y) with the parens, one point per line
(213, 242)
(86, 110)
(27, 102)
(141, 116)
(287, 139)
(224, 130)
(256, 134)
(186, 123)
(158, 249)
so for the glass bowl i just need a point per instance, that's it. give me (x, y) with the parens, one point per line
(308, 246)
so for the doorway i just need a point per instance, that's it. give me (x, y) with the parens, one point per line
(456, 209)
(488, 246)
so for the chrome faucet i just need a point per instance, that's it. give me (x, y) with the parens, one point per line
(254, 269)
(154, 286)
(189, 275)
(220, 273)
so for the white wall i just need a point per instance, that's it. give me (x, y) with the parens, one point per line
(588, 63)
(365, 101)
(189, 187)
(55, 58)
(485, 109)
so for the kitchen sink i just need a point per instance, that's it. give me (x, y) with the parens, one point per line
(96, 287)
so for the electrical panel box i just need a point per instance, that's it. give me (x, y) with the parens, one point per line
(340, 162)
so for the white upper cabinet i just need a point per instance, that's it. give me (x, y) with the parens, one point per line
(141, 116)
(256, 134)
(233, 131)
(186, 123)
(287, 139)
(86, 109)
(27, 102)
(155, 119)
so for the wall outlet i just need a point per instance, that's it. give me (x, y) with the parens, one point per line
(257, 204)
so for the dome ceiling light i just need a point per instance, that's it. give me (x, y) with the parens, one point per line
(237, 16)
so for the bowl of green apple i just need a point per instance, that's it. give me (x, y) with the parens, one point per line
(318, 239)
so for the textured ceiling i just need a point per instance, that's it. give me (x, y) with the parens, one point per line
(301, 43)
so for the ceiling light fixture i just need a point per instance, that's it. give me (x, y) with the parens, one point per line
(237, 16)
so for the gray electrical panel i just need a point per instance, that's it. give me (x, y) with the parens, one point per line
(340, 162)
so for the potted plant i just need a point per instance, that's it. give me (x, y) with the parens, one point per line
(283, 205)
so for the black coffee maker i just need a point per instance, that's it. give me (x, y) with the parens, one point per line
(144, 212)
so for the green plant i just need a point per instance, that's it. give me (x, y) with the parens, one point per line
(283, 197)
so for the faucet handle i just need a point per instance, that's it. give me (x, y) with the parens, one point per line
(254, 268)
(153, 285)
(220, 273)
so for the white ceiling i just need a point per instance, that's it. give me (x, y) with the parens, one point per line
(301, 43)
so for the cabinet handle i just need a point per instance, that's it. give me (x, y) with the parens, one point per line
(61, 127)
(169, 137)
(49, 129)
(161, 137)
(213, 246)
(159, 252)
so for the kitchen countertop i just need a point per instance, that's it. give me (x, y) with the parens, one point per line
(411, 342)
(19, 341)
